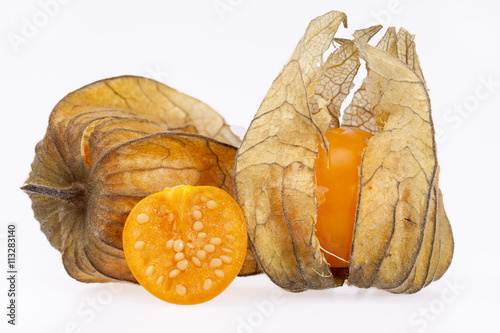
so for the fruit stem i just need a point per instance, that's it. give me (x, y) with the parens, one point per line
(70, 194)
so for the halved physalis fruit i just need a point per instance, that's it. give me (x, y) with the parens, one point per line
(186, 244)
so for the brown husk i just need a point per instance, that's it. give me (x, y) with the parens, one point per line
(143, 136)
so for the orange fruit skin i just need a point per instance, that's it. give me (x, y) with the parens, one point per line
(151, 247)
(337, 181)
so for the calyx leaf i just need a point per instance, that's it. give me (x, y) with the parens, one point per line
(400, 206)
(275, 163)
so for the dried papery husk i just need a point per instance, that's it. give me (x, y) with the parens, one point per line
(275, 163)
(402, 239)
(275, 178)
(359, 113)
(142, 136)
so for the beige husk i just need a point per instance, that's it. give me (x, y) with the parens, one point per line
(402, 239)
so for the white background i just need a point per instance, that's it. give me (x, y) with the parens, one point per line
(228, 60)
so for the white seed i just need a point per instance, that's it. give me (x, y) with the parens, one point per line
(207, 284)
(215, 241)
(163, 209)
(197, 226)
(219, 273)
(209, 248)
(211, 204)
(225, 259)
(201, 254)
(190, 245)
(196, 261)
(227, 250)
(214, 263)
(179, 256)
(180, 289)
(139, 245)
(202, 235)
(160, 280)
(197, 214)
(230, 237)
(170, 243)
(178, 245)
(142, 218)
(149, 270)
(174, 273)
(182, 265)
(195, 208)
